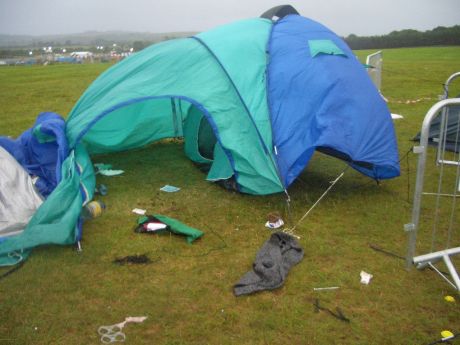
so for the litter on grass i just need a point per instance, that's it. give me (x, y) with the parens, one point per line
(133, 259)
(101, 190)
(169, 189)
(326, 288)
(449, 299)
(365, 277)
(102, 166)
(111, 172)
(446, 335)
(274, 221)
(106, 170)
(154, 226)
(113, 333)
(139, 211)
(396, 116)
(161, 224)
(338, 314)
(151, 225)
(271, 266)
(278, 224)
(92, 210)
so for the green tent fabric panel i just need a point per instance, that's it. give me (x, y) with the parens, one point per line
(54, 222)
(179, 113)
(42, 137)
(325, 47)
(184, 68)
(221, 168)
(86, 171)
(241, 48)
(134, 126)
(191, 132)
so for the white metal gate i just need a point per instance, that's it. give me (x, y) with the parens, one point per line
(374, 63)
(447, 189)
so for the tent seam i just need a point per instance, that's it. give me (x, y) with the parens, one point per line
(248, 112)
(267, 88)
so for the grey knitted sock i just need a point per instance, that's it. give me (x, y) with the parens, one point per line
(272, 264)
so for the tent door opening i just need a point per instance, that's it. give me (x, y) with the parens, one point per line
(202, 147)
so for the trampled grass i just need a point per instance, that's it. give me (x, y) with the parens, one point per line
(61, 297)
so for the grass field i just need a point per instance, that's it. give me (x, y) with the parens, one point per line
(62, 297)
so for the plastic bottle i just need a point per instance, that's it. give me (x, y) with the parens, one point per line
(92, 210)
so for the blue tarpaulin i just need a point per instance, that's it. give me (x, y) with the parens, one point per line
(41, 150)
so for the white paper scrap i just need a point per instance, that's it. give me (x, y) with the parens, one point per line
(139, 211)
(169, 189)
(365, 277)
(110, 172)
(156, 226)
(279, 223)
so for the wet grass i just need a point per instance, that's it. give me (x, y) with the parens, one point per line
(61, 297)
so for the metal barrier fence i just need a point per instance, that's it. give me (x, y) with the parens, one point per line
(444, 218)
(374, 63)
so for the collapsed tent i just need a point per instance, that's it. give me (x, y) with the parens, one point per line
(253, 100)
(65, 177)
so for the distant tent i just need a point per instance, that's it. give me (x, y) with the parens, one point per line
(253, 100)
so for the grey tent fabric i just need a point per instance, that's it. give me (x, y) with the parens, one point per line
(19, 198)
(272, 264)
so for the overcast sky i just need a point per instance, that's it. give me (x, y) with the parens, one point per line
(362, 17)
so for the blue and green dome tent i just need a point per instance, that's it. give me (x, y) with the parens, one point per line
(253, 99)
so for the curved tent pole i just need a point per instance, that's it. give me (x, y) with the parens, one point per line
(147, 98)
(278, 12)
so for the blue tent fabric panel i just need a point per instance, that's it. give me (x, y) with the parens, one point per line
(325, 101)
(41, 150)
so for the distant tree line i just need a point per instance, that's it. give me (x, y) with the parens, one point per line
(396, 39)
(407, 38)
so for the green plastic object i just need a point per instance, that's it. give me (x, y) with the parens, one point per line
(180, 228)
